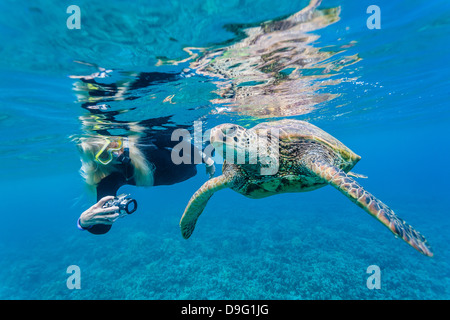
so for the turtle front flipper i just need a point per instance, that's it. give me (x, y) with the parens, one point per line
(198, 203)
(353, 190)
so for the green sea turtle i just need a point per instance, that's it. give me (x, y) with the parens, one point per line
(297, 156)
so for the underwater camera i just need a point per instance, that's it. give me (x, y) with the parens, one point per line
(126, 205)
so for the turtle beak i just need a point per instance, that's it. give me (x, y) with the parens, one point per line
(221, 138)
(217, 136)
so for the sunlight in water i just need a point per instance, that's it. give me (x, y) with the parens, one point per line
(273, 69)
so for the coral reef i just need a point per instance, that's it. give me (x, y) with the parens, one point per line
(242, 249)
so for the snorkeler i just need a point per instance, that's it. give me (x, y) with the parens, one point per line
(140, 154)
(110, 162)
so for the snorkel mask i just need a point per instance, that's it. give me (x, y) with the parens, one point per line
(111, 149)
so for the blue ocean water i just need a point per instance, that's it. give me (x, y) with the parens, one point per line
(383, 92)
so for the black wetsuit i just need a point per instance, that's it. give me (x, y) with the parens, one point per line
(157, 150)
(155, 144)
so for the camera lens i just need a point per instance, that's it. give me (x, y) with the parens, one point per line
(131, 206)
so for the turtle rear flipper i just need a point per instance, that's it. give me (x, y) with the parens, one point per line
(353, 190)
(198, 203)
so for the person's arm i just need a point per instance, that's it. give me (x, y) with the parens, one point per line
(206, 155)
(96, 219)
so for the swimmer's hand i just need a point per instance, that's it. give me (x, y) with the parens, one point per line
(209, 164)
(99, 215)
(210, 170)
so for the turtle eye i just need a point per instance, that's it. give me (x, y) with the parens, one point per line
(231, 131)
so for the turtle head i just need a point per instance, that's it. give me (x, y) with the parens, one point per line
(234, 143)
(253, 150)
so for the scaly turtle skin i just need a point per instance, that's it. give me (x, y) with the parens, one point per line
(290, 156)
